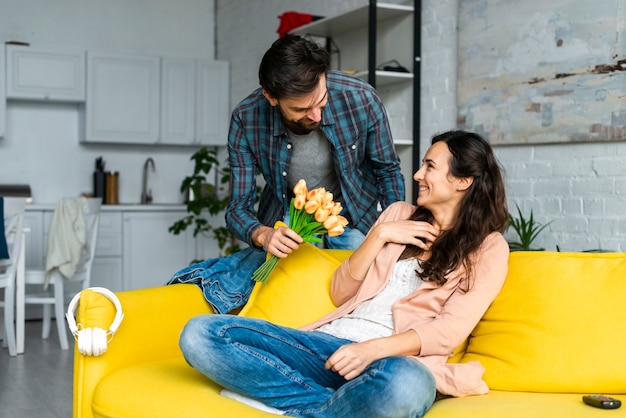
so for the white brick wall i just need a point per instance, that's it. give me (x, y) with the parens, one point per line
(579, 188)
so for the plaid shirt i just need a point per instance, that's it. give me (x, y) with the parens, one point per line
(354, 122)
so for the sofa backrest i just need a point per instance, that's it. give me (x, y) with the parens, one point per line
(558, 325)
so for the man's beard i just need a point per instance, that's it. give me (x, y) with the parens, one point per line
(301, 127)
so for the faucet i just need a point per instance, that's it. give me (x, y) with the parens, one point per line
(146, 195)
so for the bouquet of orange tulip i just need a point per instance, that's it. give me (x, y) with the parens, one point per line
(311, 215)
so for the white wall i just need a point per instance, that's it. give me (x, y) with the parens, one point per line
(580, 188)
(42, 146)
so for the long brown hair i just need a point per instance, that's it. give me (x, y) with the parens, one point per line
(482, 211)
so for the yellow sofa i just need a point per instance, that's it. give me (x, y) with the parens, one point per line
(556, 331)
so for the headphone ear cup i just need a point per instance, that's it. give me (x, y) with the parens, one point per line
(84, 341)
(99, 341)
(92, 341)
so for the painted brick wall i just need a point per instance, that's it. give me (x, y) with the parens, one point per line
(579, 188)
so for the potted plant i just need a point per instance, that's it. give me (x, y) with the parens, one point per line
(206, 198)
(527, 231)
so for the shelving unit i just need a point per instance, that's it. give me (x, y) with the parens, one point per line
(393, 33)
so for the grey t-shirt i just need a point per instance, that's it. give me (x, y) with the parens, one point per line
(312, 161)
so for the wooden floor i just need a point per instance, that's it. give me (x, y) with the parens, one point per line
(38, 383)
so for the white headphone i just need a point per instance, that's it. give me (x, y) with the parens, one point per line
(93, 341)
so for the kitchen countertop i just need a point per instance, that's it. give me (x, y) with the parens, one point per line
(124, 207)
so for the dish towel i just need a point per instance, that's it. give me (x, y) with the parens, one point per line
(4, 249)
(67, 237)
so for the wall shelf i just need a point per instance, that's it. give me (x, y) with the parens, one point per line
(372, 34)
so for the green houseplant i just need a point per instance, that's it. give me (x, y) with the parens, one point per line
(205, 198)
(527, 231)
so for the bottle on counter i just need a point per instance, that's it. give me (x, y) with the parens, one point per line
(112, 188)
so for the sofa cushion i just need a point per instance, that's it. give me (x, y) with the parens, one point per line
(558, 325)
(498, 404)
(164, 389)
(293, 295)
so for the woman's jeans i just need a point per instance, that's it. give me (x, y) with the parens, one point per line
(284, 368)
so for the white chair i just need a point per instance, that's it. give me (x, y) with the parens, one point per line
(9, 269)
(56, 297)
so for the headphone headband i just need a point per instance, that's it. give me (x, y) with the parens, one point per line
(119, 315)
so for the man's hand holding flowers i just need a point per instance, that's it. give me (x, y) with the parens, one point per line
(311, 214)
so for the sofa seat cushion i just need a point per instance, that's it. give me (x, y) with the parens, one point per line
(499, 404)
(558, 325)
(164, 389)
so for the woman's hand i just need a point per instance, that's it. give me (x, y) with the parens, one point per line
(350, 360)
(418, 233)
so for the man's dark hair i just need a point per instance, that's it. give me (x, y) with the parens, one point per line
(292, 67)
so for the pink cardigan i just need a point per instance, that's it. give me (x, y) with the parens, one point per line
(441, 316)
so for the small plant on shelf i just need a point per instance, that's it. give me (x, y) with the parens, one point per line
(527, 231)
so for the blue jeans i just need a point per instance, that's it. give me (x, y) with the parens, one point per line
(284, 368)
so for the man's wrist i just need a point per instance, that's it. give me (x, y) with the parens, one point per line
(258, 236)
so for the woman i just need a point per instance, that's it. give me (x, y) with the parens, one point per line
(409, 295)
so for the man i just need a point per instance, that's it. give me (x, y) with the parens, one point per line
(307, 122)
(304, 122)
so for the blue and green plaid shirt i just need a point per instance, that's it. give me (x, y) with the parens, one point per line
(354, 122)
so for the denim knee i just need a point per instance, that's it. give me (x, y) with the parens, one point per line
(409, 388)
(194, 336)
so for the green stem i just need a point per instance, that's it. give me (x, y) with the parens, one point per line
(263, 272)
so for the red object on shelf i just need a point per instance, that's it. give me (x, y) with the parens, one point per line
(292, 20)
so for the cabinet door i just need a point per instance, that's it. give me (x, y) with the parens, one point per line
(178, 94)
(107, 272)
(40, 74)
(151, 253)
(122, 98)
(3, 99)
(212, 102)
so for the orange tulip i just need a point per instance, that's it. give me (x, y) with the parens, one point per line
(311, 206)
(299, 201)
(300, 188)
(337, 208)
(327, 197)
(335, 225)
(316, 194)
(321, 214)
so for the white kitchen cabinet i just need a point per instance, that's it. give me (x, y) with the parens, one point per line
(194, 102)
(106, 270)
(212, 110)
(3, 99)
(123, 93)
(43, 74)
(178, 100)
(151, 253)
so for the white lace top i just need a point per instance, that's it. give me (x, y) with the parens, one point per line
(373, 318)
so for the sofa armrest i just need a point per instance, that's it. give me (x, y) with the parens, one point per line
(153, 320)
